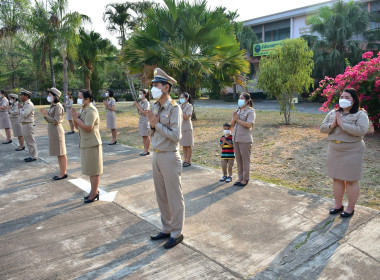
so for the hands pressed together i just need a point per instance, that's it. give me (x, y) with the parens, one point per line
(152, 118)
(338, 121)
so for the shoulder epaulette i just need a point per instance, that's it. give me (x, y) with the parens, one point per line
(174, 103)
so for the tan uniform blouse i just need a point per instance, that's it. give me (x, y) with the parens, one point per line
(14, 110)
(69, 103)
(27, 112)
(167, 132)
(187, 110)
(90, 117)
(243, 134)
(354, 127)
(145, 105)
(55, 114)
(110, 103)
(4, 102)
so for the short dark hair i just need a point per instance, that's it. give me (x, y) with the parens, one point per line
(166, 83)
(110, 92)
(355, 97)
(146, 93)
(226, 124)
(87, 93)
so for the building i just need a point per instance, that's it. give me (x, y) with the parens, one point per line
(290, 24)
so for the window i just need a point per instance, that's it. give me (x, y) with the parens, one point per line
(278, 30)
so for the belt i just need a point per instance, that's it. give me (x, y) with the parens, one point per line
(158, 151)
(26, 122)
(338, 142)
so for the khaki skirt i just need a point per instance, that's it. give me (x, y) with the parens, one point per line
(68, 114)
(92, 160)
(4, 120)
(57, 143)
(143, 126)
(16, 127)
(111, 120)
(187, 138)
(345, 160)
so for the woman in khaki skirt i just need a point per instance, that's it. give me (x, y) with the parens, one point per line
(187, 140)
(109, 104)
(14, 116)
(68, 105)
(57, 144)
(90, 143)
(4, 117)
(346, 127)
(142, 106)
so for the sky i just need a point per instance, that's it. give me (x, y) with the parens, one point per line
(247, 9)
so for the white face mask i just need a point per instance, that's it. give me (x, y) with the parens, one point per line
(241, 103)
(227, 132)
(49, 99)
(140, 96)
(67, 97)
(11, 101)
(156, 93)
(80, 101)
(344, 103)
(107, 94)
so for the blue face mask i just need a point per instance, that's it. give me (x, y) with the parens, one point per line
(241, 102)
(182, 100)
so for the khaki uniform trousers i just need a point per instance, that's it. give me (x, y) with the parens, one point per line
(227, 162)
(243, 159)
(167, 168)
(28, 131)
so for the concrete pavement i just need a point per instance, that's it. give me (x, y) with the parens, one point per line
(261, 231)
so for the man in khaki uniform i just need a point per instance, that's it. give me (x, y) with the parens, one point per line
(27, 122)
(165, 130)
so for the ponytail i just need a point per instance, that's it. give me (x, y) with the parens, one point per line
(187, 96)
(247, 97)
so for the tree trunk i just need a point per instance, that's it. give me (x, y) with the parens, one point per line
(87, 79)
(234, 95)
(51, 69)
(65, 78)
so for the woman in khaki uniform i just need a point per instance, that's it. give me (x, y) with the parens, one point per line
(4, 117)
(68, 105)
(187, 140)
(90, 143)
(243, 120)
(109, 104)
(57, 144)
(142, 106)
(14, 116)
(346, 127)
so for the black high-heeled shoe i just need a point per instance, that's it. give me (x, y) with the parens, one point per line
(86, 197)
(92, 200)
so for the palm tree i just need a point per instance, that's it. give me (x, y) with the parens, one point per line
(92, 50)
(190, 42)
(339, 30)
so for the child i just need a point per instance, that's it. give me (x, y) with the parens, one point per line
(228, 155)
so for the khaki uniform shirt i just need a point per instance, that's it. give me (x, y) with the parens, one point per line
(27, 112)
(243, 134)
(354, 127)
(55, 114)
(110, 103)
(90, 117)
(145, 105)
(167, 132)
(187, 109)
(4, 102)
(69, 103)
(14, 111)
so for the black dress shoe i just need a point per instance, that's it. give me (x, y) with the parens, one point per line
(346, 215)
(8, 142)
(30, 159)
(60, 178)
(241, 184)
(20, 149)
(86, 197)
(113, 143)
(172, 242)
(144, 154)
(159, 236)
(334, 211)
(236, 183)
(88, 200)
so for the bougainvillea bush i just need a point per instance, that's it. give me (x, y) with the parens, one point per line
(365, 78)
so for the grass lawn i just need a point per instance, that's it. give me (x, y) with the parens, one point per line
(293, 156)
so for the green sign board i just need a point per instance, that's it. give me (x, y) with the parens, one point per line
(265, 48)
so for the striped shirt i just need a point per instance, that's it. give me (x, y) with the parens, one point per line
(227, 151)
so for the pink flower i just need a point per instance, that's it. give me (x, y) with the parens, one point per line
(378, 54)
(365, 107)
(367, 55)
